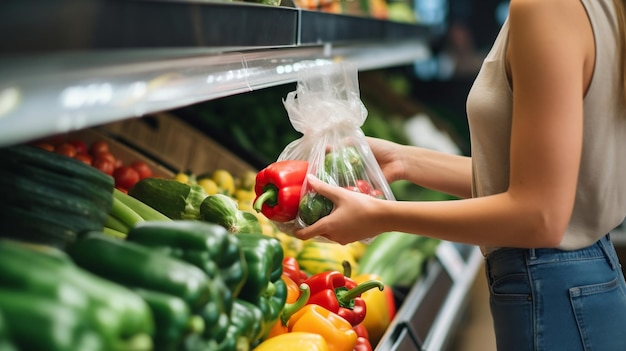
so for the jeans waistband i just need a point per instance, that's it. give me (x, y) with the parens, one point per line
(600, 248)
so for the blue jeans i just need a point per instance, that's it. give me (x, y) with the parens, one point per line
(553, 300)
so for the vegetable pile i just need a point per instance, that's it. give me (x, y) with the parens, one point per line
(179, 264)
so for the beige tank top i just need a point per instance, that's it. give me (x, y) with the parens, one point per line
(600, 203)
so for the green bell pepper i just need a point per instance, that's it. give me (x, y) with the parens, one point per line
(247, 323)
(36, 322)
(172, 317)
(137, 266)
(5, 341)
(117, 318)
(204, 244)
(264, 286)
(243, 332)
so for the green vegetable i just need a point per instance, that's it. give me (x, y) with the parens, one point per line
(170, 197)
(243, 331)
(312, 207)
(173, 319)
(345, 164)
(51, 289)
(47, 162)
(137, 266)
(5, 342)
(124, 214)
(145, 211)
(26, 310)
(224, 210)
(264, 286)
(206, 245)
(49, 198)
(247, 322)
(397, 257)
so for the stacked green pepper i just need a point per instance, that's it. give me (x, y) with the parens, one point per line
(173, 279)
(215, 251)
(43, 288)
(248, 265)
(264, 287)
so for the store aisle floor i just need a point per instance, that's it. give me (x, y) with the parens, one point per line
(476, 330)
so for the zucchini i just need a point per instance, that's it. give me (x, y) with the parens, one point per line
(172, 198)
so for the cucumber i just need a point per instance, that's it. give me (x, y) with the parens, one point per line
(38, 198)
(53, 162)
(100, 194)
(23, 225)
(220, 209)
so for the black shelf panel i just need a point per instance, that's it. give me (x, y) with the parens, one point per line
(70, 25)
(40, 26)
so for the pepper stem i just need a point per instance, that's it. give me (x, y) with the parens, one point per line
(269, 195)
(291, 308)
(345, 297)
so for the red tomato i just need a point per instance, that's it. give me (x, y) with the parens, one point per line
(66, 149)
(125, 177)
(84, 157)
(99, 147)
(80, 146)
(106, 155)
(377, 193)
(142, 168)
(364, 186)
(104, 165)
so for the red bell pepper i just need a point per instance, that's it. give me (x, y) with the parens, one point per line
(291, 268)
(340, 294)
(277, 189)
(362, 341)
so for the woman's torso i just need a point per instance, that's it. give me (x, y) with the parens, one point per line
(600, 203)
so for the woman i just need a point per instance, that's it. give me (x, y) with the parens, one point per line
(545, 184)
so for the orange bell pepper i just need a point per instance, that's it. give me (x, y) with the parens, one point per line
(337, 331)
(297, 296)
(295, 341)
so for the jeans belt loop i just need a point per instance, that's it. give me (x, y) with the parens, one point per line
(603, 242)
(532, 254)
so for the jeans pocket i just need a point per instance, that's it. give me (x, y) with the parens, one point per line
(600, 311)
(512, 311)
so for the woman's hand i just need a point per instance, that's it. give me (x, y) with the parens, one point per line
(389, 156)
(354, 215)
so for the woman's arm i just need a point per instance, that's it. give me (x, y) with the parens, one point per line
(447, 173)
(550, 57)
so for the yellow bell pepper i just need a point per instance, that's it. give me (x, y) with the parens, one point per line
(294, 341)
(337, 331)
(381, 308)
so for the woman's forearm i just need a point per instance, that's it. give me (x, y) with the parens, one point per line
(447, 173)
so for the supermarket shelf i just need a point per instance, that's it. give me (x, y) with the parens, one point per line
(54, 25)
(82, 63)
(434, 305)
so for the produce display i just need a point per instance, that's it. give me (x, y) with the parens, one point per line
(180, 263)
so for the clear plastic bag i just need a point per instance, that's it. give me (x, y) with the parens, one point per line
(327, 109)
